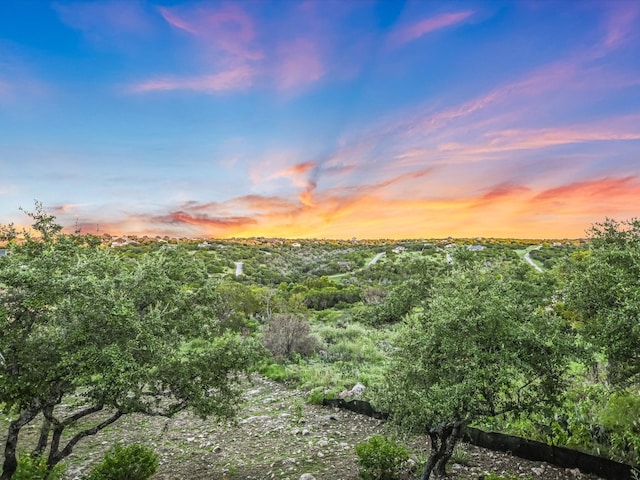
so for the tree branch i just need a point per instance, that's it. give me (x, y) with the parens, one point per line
(56, 456)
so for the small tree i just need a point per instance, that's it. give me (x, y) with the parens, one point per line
(288, 334)
(121, 336)
(483, 346)
(603, 290)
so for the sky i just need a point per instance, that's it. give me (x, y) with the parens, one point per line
(321, 119)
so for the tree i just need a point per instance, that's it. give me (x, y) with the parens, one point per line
(603, 291)
(118, 336)
(482, 347)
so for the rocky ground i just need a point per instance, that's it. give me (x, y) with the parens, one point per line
(279, 436)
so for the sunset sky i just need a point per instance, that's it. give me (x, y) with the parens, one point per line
(327, 119)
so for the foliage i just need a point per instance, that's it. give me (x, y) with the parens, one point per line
(33, 467)
(380, 458)
(275, 371)
(603, 288)
(484, 345)
(287, 335)
(133, 462)
(121, 335)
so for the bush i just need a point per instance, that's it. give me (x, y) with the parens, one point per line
(134, 462)
(35, 468)
(274, 371)
(380, 458)
(288, 335)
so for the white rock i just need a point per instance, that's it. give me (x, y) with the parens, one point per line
(307, 476)
(538, 471)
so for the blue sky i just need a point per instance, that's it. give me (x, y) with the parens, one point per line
(321, 119)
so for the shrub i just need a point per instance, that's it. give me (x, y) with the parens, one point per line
(380, 458)
(274, 371)
(35, 468)
(134, 462)
(287, 335)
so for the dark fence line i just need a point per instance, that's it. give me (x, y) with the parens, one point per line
(520, 447)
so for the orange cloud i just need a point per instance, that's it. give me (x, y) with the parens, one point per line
(505, 210)
(263, 204)
(181, 217)
(504, 192)
(297, 169)
(600, 195)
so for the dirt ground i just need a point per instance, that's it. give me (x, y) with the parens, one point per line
(278, 436)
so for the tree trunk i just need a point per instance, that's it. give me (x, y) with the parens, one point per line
(10, 460)
(44, 433)
(443, 440)
(434, 454)
(448, 445)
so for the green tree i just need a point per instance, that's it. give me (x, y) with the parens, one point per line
(484, 345)
(603, 290)
(117, 335)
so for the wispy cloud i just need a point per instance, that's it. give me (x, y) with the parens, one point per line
(289, 53)
(621, 25)
(226, 28)
(408, 33)
(238, 78)
(299, 64)
(106, 21)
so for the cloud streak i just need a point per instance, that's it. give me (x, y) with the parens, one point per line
(239, 78)
(414, 31)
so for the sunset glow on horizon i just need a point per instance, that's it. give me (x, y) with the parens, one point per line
(321, 118)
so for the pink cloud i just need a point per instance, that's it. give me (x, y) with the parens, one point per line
(105, 19)
(176, 21)
(237, 79)
(299, 64)
(409, 33)
(228, 29)
(509, 140)
(621, 25)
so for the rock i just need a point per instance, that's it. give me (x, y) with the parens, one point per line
(305, 431)
(356, 391)
(307, 476)
(538, 471)
(217, 449)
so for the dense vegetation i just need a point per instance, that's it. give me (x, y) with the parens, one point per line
(469, 332)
